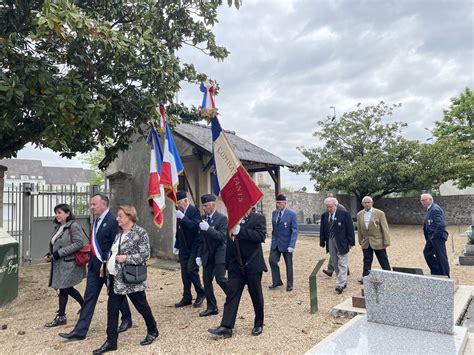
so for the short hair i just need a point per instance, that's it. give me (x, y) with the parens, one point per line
(66, 209)
(367, 198)
(426, 196)
(130, 211)
(331, 199)
(103, 198)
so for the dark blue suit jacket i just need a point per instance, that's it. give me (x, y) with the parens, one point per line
(343, 231)
(106, 233)
(212, 243)
(435, 223)
(284, 234)
(187, 232)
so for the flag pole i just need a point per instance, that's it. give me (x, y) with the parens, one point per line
(189, 186)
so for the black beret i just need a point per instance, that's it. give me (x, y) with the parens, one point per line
(281, 197)
(207, 198)
(180, 195)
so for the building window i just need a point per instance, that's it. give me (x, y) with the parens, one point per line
(33, 177)
(40, 177)
(24, 177)
(12, 176)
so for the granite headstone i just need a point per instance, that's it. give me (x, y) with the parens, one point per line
(410, 301)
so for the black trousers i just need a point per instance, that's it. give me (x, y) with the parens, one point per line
(64, 294)
(381, 255)
(91, 295)
(274, 259)
(235, 287)
(209, 272)
(436, 256)
(190, 275)
(113, 305)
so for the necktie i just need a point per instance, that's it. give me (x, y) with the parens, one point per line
(208, 219)
(278, 218)
(96, 224)
(331, 226)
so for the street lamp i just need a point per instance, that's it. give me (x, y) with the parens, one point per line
(431, 132)
(334, 116)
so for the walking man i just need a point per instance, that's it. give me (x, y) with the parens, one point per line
(284, 235)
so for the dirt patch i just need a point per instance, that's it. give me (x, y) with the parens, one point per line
(289, 326)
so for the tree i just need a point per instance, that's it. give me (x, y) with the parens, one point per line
(92, 159)
(455, 133)
(363, 156)
(77, 73)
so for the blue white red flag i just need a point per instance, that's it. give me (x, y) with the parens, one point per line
(172, 166)
(162, 112)
(232, 182)
(208, 91)
(156, 192)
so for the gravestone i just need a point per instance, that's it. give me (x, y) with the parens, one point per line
(410, 301)
(408, 270)
(300, 217)
(313, 287)
(9, 268)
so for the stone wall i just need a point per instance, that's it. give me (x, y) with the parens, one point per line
(408, 210)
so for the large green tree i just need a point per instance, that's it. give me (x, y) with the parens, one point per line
(76, 73)
(363, 156)
(455, 133)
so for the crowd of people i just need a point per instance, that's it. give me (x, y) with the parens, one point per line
(120, 249)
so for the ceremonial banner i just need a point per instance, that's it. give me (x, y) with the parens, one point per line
(172, 167)
(156, 193)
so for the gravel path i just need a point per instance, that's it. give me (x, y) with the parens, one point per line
(289, 326)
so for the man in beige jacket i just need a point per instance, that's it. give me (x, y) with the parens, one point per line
(373, 234)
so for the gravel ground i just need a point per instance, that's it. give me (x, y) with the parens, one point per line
(289, 326)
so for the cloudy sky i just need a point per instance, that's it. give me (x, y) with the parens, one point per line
(291, 60)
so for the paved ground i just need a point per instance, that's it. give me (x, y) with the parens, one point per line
(289, 326)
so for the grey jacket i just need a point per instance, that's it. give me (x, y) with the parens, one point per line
(64, 271)
(136, 246)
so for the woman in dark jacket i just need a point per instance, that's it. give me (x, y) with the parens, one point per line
(67, 238)
(132, 247)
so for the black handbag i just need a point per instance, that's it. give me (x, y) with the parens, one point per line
(132, 274)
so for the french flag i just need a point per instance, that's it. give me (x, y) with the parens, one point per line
(231, 181)
(156, 192)
(172, 166)
(162, 112)
(208, 91)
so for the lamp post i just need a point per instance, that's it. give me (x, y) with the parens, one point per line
(431, 132)
(334, 116)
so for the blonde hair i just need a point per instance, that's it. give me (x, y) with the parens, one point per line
(130, 211)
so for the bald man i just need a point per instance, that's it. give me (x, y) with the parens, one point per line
(436, 235)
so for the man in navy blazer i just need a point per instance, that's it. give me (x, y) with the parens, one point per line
(436, 235)
(337, 235)
(284, 234)
(105, 228)
(186, 246)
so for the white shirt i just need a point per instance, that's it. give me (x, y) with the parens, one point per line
(367, 217)
(114, 250)
(101, 219)
(58, 233)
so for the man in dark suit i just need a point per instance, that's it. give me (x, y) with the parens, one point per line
(330, 270)
(245, 263)
(211, 251)
(104, 230)
(337, 235)
(186, 246)
(436, 235)
(284, 234)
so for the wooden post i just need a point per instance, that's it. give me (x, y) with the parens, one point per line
(313, 288)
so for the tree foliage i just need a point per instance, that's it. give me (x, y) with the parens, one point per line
(363, 156)
(455, 133)
(77, 73)
(92, 159)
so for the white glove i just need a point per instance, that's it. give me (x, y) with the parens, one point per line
(175, 251)
(204, 226)
(179, 214)
(236, 229)
(198, 261)
(291, 250)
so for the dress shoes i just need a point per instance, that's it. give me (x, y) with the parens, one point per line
(125, 325)
(339, 290)
(327, 273)
(58, 320)
(208, 312)
(199, 301)
(257, 331)
(289, 288)
(150, 338)
(361, 281)
(72, 336)
(182, 303)
(107, 346)
(221, 331)
(272, 286)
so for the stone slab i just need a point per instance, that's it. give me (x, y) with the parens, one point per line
(408, 270)
(410, 301)
(358, 336)
(345, 309)
(466, 260)
(358, 300)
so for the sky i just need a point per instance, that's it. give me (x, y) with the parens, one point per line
(291, 60)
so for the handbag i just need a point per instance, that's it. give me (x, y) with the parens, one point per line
(132, 274)
(83, 255)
